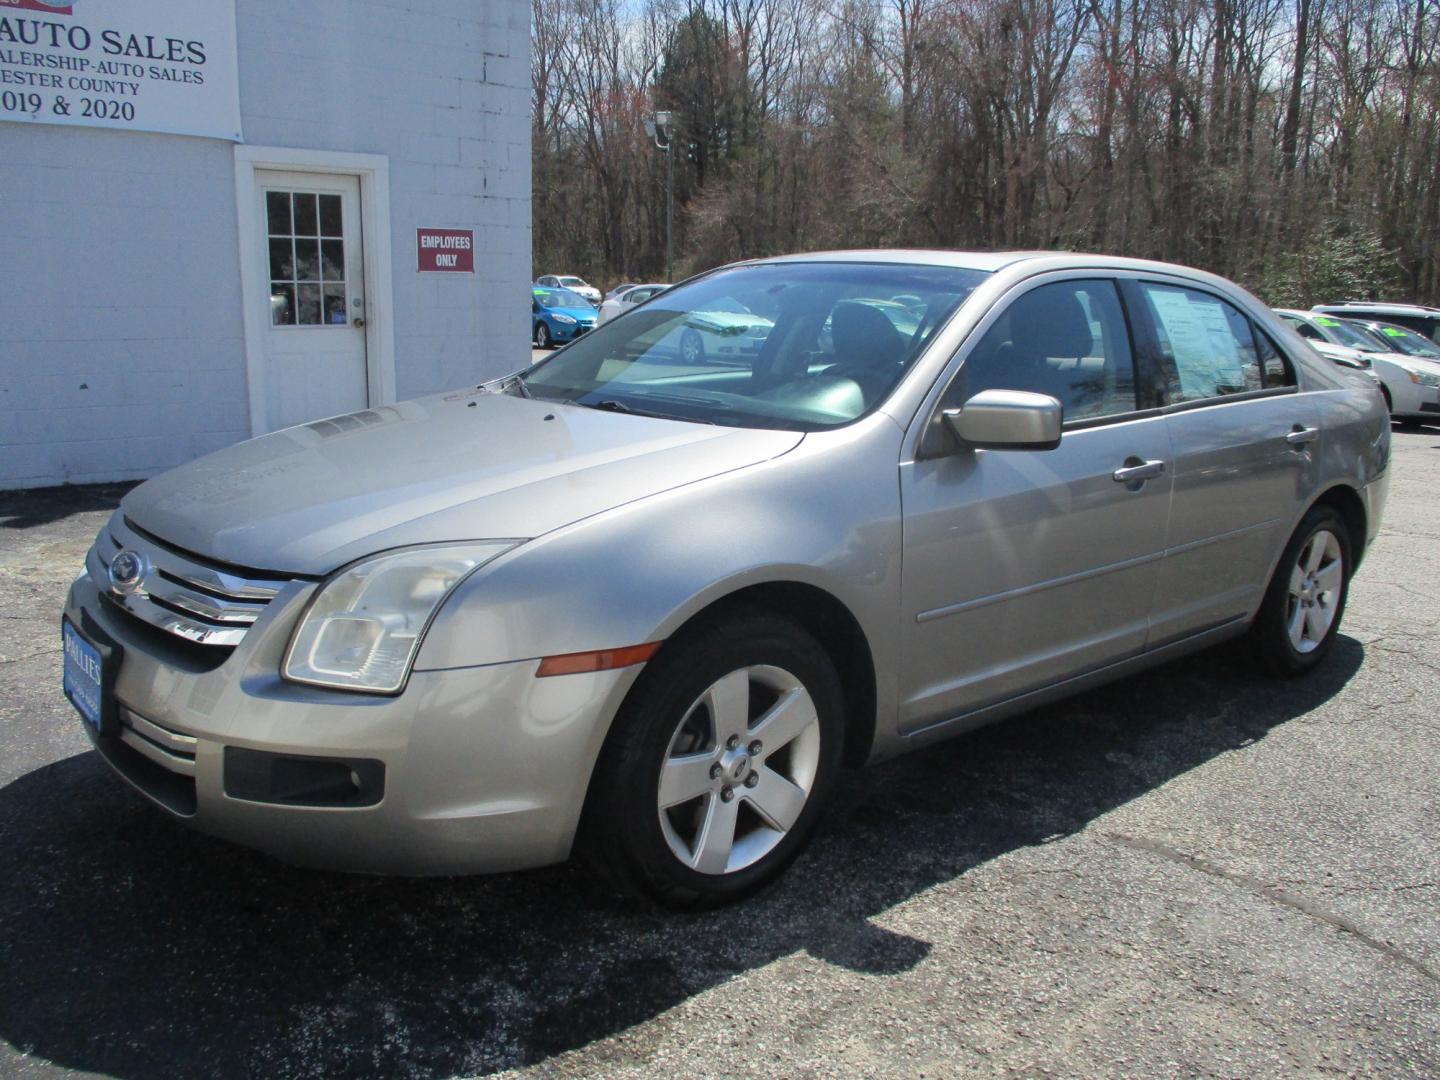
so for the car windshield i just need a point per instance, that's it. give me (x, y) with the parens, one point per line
(1344, 332)
(795, 346)
(572, 282)
(1398, 339)
(560, 298)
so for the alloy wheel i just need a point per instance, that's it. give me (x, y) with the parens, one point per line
(739, 769)
(1315, 591)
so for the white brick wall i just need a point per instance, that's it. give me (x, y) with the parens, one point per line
(121, 340)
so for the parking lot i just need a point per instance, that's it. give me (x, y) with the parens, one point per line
(1198, 871)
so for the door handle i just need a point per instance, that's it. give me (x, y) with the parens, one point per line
(1142, 470)
(1300, 436)
(357, 322)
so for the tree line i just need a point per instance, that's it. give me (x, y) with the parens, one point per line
(1289, 144)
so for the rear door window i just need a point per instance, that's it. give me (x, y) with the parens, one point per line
(1275, 368)
(1206, 345)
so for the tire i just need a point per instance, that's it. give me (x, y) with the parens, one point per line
(1305, 602)
(692, 347)
(683, 809)
(1389, 402)
(542, 336)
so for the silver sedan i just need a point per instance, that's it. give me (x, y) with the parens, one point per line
(646, 607)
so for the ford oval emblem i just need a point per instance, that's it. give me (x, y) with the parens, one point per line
(127, 571)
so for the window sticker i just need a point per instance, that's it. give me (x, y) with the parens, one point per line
(1390, 331)
(1323, 321)
(1207, 354)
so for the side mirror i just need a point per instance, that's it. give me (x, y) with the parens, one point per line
(1007, 420)
(534, 307)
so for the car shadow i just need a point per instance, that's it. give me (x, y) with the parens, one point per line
(135, 948)
(32, 507)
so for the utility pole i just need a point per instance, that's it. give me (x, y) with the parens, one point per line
(660, 126)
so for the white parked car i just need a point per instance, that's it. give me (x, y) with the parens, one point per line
(1423, 320)
(627, 299)
(1399, 339)
(1411, 385)
(571, 282)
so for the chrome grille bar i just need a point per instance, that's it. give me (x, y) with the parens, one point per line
(168, 749)
(181, 594)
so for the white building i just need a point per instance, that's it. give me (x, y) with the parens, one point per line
(221, 218)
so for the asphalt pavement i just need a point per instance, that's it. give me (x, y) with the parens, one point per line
(1195, 872)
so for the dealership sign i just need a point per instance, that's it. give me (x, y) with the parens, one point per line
(143, 65)
(444, 251)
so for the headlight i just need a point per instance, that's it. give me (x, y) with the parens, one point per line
(1423, 378)
(364, 625)
(566, 319)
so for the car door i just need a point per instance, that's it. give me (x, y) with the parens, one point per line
(1023, 568)
(1243, 441)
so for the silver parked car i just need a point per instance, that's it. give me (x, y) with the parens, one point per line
(646, 607)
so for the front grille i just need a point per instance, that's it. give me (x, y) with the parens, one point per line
(181, 594)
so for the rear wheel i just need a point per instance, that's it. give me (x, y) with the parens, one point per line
(715, 773)
(692, 347)
(1303, 605)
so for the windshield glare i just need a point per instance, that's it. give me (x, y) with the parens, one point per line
(560, 298)
(795, 346)
(1344, 332)
(1398, 339)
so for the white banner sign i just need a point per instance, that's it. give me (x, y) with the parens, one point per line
(145, 65)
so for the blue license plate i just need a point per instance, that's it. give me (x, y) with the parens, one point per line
(84, 674)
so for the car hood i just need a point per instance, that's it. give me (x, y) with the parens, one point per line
(1406, 361)
(465, 466)
(585, 314)
(726, 322)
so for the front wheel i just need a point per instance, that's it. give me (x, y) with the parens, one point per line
(715, 773)
(1300, 615)
(542, 336)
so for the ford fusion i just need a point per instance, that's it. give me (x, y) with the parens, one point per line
(643, 602)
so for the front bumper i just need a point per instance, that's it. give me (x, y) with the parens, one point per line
(1415, 401)
(561, 332)
(481, 769)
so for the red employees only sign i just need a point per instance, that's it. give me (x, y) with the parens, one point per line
(446, 251)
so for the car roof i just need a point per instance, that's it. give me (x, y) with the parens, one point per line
(993, 261)
(1378, 307)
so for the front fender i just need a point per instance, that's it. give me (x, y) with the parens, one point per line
(827, 514)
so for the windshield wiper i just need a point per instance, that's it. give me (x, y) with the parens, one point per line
(508, 384)
(611, 405)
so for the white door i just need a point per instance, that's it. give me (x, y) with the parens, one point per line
(314, 342)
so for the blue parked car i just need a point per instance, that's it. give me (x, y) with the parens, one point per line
(559, 315)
